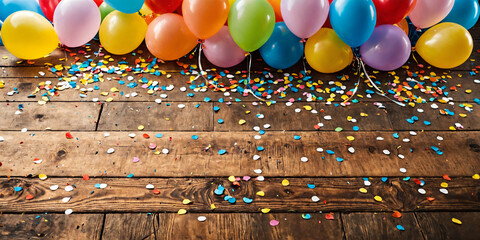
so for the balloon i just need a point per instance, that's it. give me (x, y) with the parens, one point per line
(98, 2)
(387, 49)
(8, 7)
(327, 22)
(464, 12)
(222, 51)
(126, 6)
(283, 49)
(430, 12)
(1, 24)
(404, 26)
(121, 33)
(204, 18)
(105, 9)
(305, 17)
(76, 21)
(446, 45)
(278, 10)
(28, 35)
(393, 11)
(326, 53)
(163, 6)
(48, 8)
(145, 10)
(251, 23)
(353, 20)
(168, 37)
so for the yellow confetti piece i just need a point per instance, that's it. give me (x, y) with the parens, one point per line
(113, 89)
(231, 178)
(444, 184)
(42, 176)
(248, 112)
(285, 182)
(363, 114)
(265, 210)
(363, 190)
(462, 115)
(261, 193)
(212, 207)
(110, 99)
(454, 220)
(141, 127)
(468, 91)
(350, 138)
(186, 201)
(452, 128)
(308, 108)
(182, 211)
(378, 198)
(476, 176)
(241, 122)
(104, 93)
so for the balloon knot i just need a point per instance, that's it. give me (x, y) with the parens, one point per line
(419, 29)
(303, 40)
(201, 41)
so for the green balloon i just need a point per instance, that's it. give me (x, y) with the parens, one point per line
(105, 9)
(251, 22)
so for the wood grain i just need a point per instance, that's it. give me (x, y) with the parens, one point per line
(439, 225)
(51, 226)
(130, 226)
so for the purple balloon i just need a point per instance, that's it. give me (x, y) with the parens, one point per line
(304, 17)
(387, 49)
(222, 51)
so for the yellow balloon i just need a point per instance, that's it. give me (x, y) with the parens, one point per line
(446, 45)
(28, 35)
(121, 33)
(326, 52)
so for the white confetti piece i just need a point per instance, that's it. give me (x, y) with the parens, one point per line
(256, 128)
(181, 106)
(103, 185)
(261, 178)
(202, 218)
(367, 183)
(406, 140)
(444, 190)
(379, 138)
(386, 152)
(24, 130)
(158, 100)
(401, 156)
(315, 199)
(2, 139)
(257, 171)
(439, 138)
(69, 188)
(328, 117)
(257, 137)
(150, 186)
(68, 211)
(351, 150)
(110, 150)
(403, 170)
(106, 135)
(165, 151)
(266, 126)
(54, 187)
(66, 199)
(319, 149)
(256, 157)
(422, 191)
(132, 135)
(304, 159)
(413, 133)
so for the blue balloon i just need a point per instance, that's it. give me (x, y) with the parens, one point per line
(353, 20)
(8, 7)
(126, 6)
(283, 49)
(1, 24)
(464, 12)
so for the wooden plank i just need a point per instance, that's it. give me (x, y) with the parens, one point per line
(335, 194)
(129, 226)
(54, 116)
(281, 157)
(51, 226)
(439, 225)
(157, 117)
(248, 226)
(380, 226)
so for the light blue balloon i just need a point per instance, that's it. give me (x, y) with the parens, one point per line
(283, 49)
(464, 12)
(8, 7)
(1, 24)
(126, 6)
(353, 20)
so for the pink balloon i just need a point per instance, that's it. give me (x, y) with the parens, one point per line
(76, 21)
(304, 17)
(222, 51)
(430, 12)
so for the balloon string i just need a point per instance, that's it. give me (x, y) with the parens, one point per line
(379, 91)
(249, 88)
(413, 55)
(358, 82)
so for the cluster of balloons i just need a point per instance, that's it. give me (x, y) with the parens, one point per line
(333, 30)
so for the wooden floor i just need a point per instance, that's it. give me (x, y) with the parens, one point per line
(287, 161)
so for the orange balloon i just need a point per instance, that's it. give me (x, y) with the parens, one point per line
(403, 25)
(205, 17)
(278, 12)
(169, 38)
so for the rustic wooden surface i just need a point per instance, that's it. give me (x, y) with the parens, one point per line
(125, 209)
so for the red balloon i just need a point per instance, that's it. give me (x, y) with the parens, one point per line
(327, 22)
(98, 2)
(393, 11)
(48, 8)
(163, 6)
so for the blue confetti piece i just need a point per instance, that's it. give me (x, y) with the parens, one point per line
(97, 185)
(222, 151)
(194, 137)
(356, 128)
(220, 121)
(306, 216)
(415, 118)
(130, 175)
(296, 137)
(207, 99)
(330, 152)
(261, 132)
(311, 186)
(247, 200)
(339, 159)
(158, 135)
(227, 197)
(410, 121)
(400, 227)
(260, 148)
(384, 179)
(17, 189)
(427, 123)
(395, 135)
(220, 189)
(216, 109)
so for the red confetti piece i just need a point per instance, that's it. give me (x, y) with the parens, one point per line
(430, 199)
(146, 136)
(86, 177)
(329, 216)
(397, 214)
(156, 191)
(29, 196)
(446, 177)
(68, 135)
(417, 181)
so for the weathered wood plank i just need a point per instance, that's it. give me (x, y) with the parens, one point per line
(281, 157)
(130, 226)
(55, 116)
(51, 226)
(157, 117)
(380, 226)
(439, 225)
(335, 194)
(248, 226)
